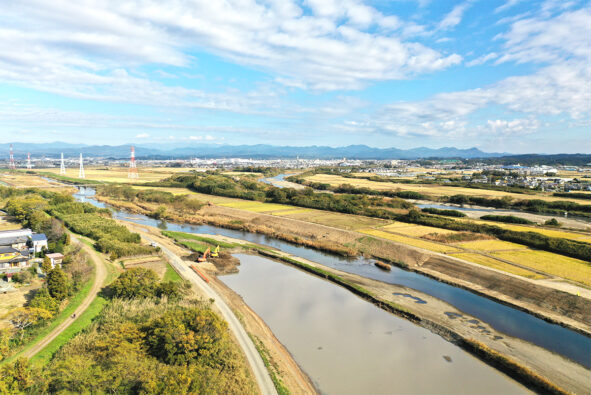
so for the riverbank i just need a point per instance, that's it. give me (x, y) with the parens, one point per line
(534, 366)
(543, 301)
(280, 360)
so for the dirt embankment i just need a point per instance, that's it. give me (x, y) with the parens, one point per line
(547, 303)
(280, 359)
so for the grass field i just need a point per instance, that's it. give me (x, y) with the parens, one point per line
(490, 245)
(171, 275)
(496, 264)
(119, 174)
(427, 245)
(586, 237)
(8, 225)
(22, 179)
(558, 265)
(415, 230)
(428, 189)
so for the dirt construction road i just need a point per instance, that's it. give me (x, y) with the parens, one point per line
(254, 359)
(101, 275)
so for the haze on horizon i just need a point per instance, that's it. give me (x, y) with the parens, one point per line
(503, 76)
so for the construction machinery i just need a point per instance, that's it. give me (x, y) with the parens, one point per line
(205, 255)
(216, 252)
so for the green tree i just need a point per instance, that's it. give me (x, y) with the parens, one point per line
(16, 377)
(135, 283)
(24, 317)
(44, 300)
(172, 290)
(46, 265)
(58, 284)
(184, 335)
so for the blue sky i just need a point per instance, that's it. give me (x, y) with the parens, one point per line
(505, 76)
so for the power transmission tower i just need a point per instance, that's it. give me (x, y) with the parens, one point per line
(29, 166)
(11, 165)
(81, 171)
(132, 167)
(62, 166)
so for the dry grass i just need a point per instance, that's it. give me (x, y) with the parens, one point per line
(490, 245)
(496, 264)
(119, 174)
(547, 262)
(292, 211)
(7, 225)
(428, 189)
(410, 241)
(544, 231)
(18, 179)
(416, 230)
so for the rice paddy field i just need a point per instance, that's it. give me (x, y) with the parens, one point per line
(558, 265)
(491, 245)
(22, 179)
(120, 174)
(482, 252)
(427, 245)
(544, 231)
(499, 265)
(429, 189)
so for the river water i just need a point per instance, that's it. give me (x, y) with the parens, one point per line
(505, 319)
(349, 346)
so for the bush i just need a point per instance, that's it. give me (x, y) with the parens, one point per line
(135, 283)
(23, 277)
(552, 222)
(58, 284)
(44, 300)
(447, 213)
(507, 218)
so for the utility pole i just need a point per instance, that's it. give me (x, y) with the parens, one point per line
(81, 171)
(62, 166)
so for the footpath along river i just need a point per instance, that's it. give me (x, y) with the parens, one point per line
(508, 320)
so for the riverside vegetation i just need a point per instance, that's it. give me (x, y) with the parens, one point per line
(371, 206)
(150, 339)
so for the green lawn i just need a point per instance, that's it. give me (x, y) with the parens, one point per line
(171, 275)
(59, 318)
(83, 321)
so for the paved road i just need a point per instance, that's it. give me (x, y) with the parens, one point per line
(99, 279)
(252, 355)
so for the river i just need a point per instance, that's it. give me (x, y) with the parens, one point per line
(506, 319)
(349, 346)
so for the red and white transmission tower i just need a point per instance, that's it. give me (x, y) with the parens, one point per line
(132, 167)
(11, 165)
(29, 166)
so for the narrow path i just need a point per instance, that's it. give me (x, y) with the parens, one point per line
(252, 355)
(99, 279)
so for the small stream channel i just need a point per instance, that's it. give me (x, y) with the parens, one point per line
(505, 319)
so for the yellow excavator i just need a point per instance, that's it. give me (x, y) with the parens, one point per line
(216, 252)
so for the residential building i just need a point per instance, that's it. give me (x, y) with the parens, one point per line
(39, 241)
(11, 260)
(55, 258)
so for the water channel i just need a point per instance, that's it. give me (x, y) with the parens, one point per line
(508, 320)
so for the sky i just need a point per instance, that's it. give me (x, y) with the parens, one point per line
(500, 75)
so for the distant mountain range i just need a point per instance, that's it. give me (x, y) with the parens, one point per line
(260, 151)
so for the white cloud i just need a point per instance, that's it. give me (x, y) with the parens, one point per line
(454, 17)
(508, 4)
(513, 127)
(142, 136)
(80, 41)
(482, 59)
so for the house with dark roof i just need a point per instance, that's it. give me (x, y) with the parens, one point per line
(11, 260)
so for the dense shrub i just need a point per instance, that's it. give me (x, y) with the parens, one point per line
(447, 213)
(511, 219)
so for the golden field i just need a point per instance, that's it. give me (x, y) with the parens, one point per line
(490, 245)
(22, 179)
(415, 230)
(427, 245)
(544, 231)
(120, 174)
(558, 265)
(428, 189)
(496, 264)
